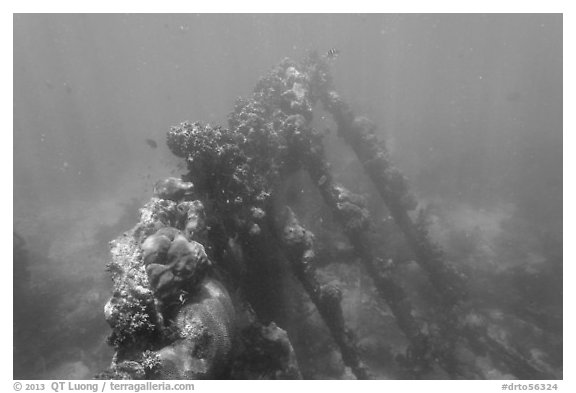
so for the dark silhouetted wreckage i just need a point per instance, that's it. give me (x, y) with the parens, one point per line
(216, 277)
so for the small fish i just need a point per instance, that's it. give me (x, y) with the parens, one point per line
(152, 143)
(332, 53)
(182, 297)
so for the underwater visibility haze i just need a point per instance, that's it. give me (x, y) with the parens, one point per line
(316, 196)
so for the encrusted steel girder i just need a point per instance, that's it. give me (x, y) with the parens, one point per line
(359, 133)
(299, 245)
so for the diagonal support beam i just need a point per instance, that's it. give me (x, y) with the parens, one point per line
(299, 246)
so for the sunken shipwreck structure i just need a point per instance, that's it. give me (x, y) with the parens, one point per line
(227, 276)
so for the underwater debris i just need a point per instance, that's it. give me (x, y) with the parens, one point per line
(359, 133)
(211, 245)
(194, 220)
(172, 189)
(170, 318)
(155, 264)
(266, 353)
(300, 250)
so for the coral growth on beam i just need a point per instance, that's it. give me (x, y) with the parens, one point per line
(200, 281)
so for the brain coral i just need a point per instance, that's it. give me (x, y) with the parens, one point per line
(173, 265)
(205, 327)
